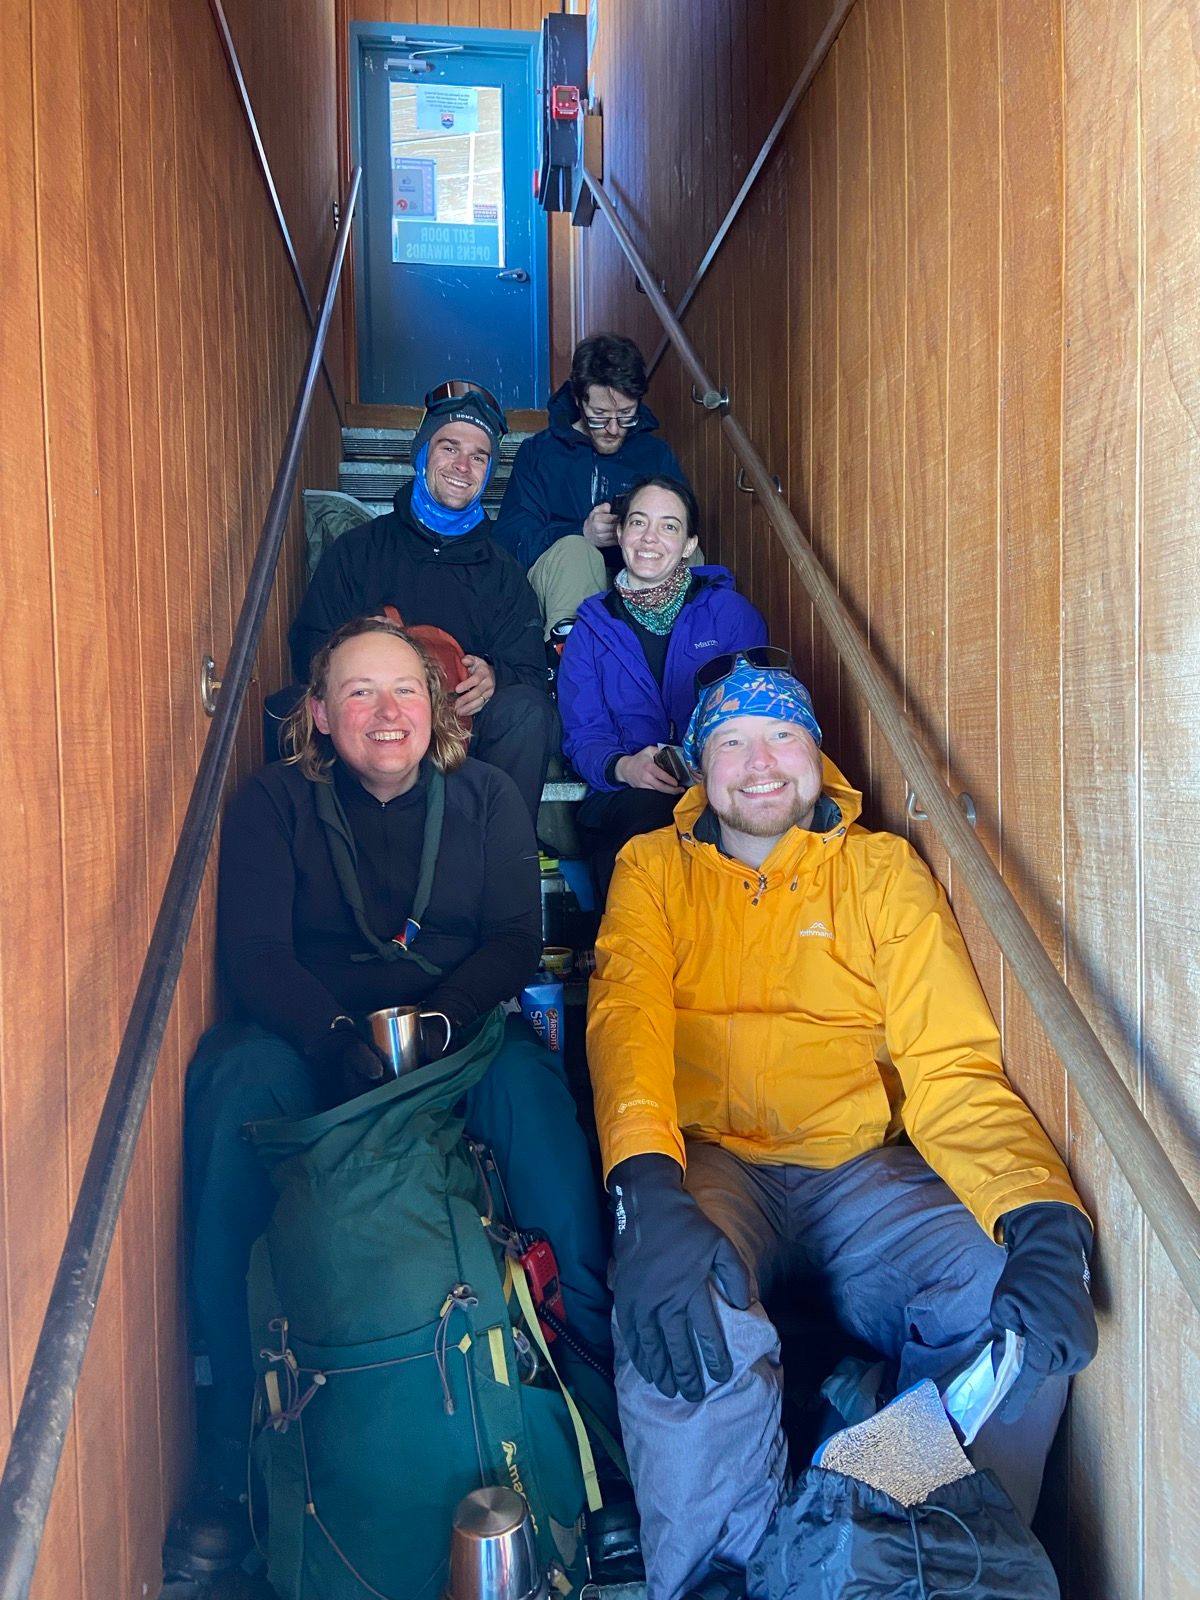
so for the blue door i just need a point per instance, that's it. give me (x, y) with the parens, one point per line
(450, 262)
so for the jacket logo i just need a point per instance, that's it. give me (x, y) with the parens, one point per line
(818, 930)
(704, 644)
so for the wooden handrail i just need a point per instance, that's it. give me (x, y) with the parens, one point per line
(798, 90)
(1156, 1184)
(45, 1414)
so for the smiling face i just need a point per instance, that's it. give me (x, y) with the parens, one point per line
(654, 537)
(457, 463)
(762, 776)
(377, 712)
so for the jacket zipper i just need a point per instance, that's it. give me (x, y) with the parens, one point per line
(758, 894)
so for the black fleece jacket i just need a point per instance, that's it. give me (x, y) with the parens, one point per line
(469, 586)
(288, 938)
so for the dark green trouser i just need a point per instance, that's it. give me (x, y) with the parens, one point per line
(241, 1073)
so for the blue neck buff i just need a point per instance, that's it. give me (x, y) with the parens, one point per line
(437, 517)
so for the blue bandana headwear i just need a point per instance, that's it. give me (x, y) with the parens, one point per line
(433, 514)
(748, 692)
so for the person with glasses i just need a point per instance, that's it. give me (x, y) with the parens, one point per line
(432, 561)
(557, 516)
(799, 1088)
(625, 687)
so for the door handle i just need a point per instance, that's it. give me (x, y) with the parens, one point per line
(513, 275)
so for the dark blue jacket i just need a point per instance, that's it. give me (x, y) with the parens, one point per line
(607, 697)
(557, 477)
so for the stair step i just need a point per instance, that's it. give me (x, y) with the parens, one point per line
(395, 444)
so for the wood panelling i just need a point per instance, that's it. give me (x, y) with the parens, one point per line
(296, 110)
(151, 338)
(519, 14)
(969, 285)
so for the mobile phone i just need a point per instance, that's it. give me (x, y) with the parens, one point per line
(670, 758)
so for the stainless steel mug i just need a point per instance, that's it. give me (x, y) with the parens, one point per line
(397, 1032)
(493, 1555)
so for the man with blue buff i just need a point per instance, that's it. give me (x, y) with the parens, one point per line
(799, 1089)
(433, 559)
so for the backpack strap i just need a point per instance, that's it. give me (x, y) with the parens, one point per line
(587, 1460)
(344, 855)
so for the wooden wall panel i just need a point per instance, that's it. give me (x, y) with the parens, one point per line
(985, 350)
(518, 14)
(889, 375)
(1101, 534)
(1168, 670)
(152, 339)
(972, 441)
(1030, 62)
(33, 1055)
(850, 736)
(926, 396)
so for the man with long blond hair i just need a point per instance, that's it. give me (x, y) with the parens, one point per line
(379, 866)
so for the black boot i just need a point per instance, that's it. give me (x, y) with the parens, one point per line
(211, 1534)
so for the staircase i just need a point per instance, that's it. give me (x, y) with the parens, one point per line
(377, 461)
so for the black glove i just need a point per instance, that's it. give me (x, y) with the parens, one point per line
(664, 1249)
(348, 1063)
(1044, 1294)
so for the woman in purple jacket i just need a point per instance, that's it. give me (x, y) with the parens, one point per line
(625, 686)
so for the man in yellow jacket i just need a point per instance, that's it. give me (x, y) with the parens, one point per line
(798, 1083)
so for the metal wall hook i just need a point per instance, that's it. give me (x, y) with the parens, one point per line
(748, 488)
(210, 685)
(641, 288)
(965, 801)
(711, 399)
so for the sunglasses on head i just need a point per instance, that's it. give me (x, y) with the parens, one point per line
(761, 658)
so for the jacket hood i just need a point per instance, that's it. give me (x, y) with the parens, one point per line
(787, 853)
(564, 413)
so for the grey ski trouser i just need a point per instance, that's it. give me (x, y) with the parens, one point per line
(906, 1269)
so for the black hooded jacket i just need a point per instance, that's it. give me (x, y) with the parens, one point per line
(466, 585)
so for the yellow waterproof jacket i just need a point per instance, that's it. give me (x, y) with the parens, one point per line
(804, 1013)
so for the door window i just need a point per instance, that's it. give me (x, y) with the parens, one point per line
(447, 150)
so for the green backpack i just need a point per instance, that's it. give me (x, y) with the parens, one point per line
(385, 1321)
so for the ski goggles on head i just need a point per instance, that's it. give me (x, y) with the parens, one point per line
(761, 658)
(459, 394)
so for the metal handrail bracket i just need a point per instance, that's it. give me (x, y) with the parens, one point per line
(45, 1414)
(1153, 1177)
